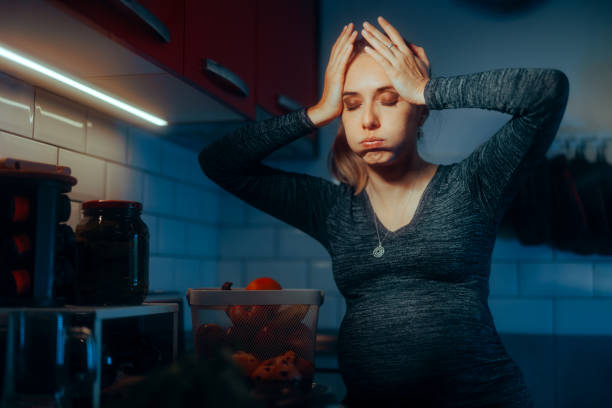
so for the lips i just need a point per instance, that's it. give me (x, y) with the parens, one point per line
(372, 139)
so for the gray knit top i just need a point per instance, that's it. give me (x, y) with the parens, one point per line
(417, 327)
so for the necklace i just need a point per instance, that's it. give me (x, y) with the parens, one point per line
(379, 251)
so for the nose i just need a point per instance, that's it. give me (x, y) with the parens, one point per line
(370, 117)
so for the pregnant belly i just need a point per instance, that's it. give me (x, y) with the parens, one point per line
(381, 348)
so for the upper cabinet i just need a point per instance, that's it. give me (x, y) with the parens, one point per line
(152, 28)
(220, 50)
(207, 67)
(286, 55)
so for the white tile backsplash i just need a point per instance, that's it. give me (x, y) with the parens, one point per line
(106, 137)
(144, 150)
(89, 172)
(207, 276)
(503, 280)
(124, 183)
(506, 249)
(201, 240)
(556, 280)
(192, 202)
(230, 271)
(19, 147)
(526, 316)
(151, 222)
(161, 273)
(322, 277)
(602, 279)
(176, 160)
(289, 274)
(247, 242)
(232, 210)
(171, 237)
(294, 243)
(59, 121)
(583, 316)
(159, 195)
(16, 106)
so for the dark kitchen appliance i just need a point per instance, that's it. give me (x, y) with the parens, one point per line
(32, 206)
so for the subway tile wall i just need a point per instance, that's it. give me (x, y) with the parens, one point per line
(203, 236)
(114, 160)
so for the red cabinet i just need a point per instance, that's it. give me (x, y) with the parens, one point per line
(254, 56)
(220, 50)
(286, 55)
(151, 28)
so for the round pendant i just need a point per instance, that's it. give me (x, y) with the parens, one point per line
(378, 251)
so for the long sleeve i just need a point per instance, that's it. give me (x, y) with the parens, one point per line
(535, 97)
(234, 163)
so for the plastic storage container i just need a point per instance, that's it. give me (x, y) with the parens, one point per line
(270, 333)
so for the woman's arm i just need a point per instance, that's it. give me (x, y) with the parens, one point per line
(535, 97)
(234, 163)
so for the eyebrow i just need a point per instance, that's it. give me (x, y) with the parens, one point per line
(378, 90)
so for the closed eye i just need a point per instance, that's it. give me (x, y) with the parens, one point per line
(353, 107)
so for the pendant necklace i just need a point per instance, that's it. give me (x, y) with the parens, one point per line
(379, 250)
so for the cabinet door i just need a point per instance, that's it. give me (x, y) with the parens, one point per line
(151, 28)
(220, 50)
(287, 55)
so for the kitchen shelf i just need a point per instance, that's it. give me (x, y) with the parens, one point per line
(97, 315)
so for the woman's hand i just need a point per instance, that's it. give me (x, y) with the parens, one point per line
(330, 105)
(406, 65)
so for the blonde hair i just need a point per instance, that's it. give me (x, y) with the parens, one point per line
(345, 165)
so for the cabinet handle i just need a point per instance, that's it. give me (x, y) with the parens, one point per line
(288, 103)
(149, 18)
(225, 77)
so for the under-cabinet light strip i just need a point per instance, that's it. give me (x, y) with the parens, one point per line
(10, 55)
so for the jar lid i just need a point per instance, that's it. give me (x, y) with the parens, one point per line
(95, 204)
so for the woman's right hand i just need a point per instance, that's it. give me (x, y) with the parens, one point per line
(330, 105)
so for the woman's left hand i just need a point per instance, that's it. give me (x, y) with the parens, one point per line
(406, 65)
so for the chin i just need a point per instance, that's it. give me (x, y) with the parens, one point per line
(378, 156)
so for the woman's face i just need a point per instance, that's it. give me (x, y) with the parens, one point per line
(373, 112)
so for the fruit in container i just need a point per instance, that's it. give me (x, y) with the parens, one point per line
(253, 317)
(288, 315)
(269, 342)
(239, 337)
(210, 338)
(279, 368)
(300, 339)
(246, 361)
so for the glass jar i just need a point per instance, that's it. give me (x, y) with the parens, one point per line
(113, 254)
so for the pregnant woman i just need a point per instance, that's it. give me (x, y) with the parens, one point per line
(410, 241)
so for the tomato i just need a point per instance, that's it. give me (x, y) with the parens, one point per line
(263, 284)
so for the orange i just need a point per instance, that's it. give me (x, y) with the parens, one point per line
(264, 283)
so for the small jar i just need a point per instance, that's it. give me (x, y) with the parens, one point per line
(113, 254)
